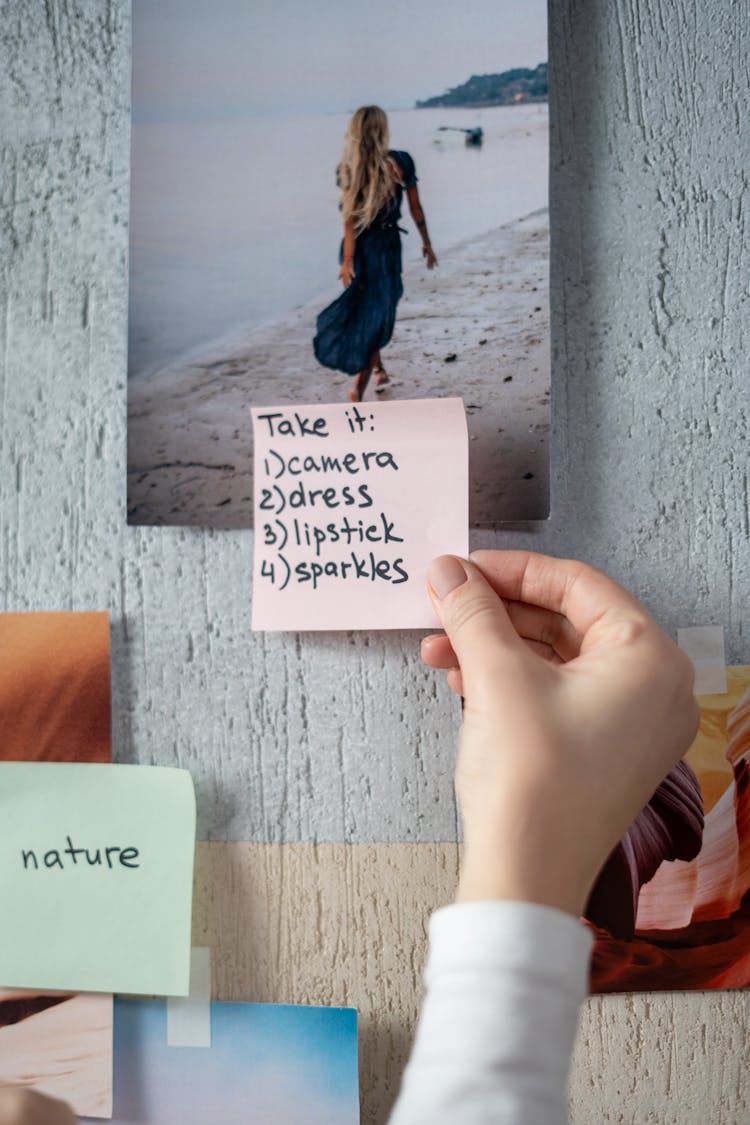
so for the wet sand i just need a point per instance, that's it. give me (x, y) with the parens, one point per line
(477, 326)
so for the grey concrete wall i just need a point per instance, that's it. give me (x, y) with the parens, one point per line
(345, 738)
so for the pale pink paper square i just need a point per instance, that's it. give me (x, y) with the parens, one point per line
(424, 501)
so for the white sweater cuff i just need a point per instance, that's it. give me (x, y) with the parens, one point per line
(504, 982)
(513, 937)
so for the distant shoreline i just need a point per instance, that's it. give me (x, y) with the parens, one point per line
(522, 86)
(483, 105)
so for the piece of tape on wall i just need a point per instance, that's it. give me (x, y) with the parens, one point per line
(704, 644)
(189, 1017)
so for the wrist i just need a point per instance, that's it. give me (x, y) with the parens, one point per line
(491, 870)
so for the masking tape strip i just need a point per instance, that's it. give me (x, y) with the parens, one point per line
(704, 644)
(189, 1017)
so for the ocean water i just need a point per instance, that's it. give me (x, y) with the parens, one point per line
(234, 224)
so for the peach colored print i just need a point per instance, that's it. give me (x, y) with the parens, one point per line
(692, 926)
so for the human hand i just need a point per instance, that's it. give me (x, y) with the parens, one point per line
(346, 273)
(576, 705)
(20, 1105)
(429, 256)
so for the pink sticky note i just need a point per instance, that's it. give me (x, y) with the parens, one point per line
(351, 504)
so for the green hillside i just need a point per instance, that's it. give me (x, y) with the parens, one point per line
(509, 88)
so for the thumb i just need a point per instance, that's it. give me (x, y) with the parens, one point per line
(474, 618)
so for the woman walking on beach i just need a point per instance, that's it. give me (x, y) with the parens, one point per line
(372, 178)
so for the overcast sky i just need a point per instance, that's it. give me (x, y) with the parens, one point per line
(228, 58)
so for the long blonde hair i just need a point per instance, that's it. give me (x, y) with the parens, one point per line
(365, 172)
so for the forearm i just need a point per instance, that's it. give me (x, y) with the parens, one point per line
(504, 984)
(502, 859)
(421, 223)
(349, 241)
(417, 214)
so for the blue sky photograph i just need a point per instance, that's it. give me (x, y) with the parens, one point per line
(267, 1063)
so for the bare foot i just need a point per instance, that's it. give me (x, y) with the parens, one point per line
(381, 376)
(354, 396)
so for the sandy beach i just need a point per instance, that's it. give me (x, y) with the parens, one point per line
(477, 326)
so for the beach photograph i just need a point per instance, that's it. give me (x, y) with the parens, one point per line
(335, 203)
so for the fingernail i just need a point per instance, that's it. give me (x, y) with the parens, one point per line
(444, 575)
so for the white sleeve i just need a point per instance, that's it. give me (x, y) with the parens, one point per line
(504, 982)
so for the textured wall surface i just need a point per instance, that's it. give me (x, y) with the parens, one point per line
(295, 741)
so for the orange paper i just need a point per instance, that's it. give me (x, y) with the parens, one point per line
(55, 687)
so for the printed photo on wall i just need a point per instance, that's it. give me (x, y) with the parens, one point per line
(671, 909)
(267, 1063)
(55, 707)
(55, 687)
(335, 202)
(59, 1044)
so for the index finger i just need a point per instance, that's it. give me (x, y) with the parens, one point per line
(574, 589)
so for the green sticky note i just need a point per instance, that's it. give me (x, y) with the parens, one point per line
(96, 877)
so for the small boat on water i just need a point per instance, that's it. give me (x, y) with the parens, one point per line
(473, 137)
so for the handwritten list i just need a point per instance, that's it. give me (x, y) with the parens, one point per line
(351, 504)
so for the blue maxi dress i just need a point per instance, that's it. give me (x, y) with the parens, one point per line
(361, 320)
